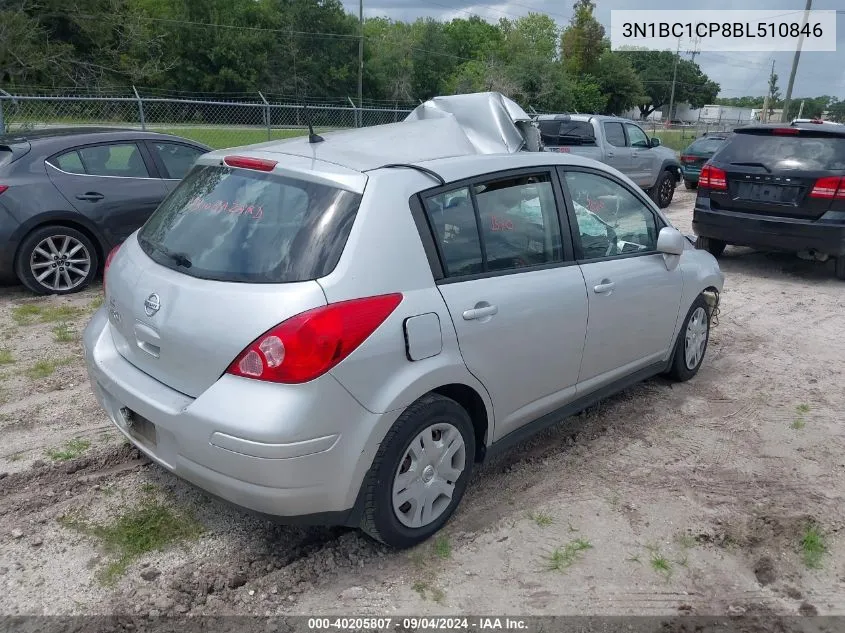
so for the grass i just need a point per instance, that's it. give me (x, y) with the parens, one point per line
(6, 357)
(563, 558)
(30, 313)
(427, 590)
(442, 547)
(95, 303)
(799, 422)
(63, 333)
(661, 564)
(685, 540)
(813, 546)
(73, 449)
(15, 457)
(220, 137)
(45, 368)
(542, 519)
(150, 526)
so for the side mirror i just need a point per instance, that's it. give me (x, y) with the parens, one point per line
(670, 241)
(655, 142)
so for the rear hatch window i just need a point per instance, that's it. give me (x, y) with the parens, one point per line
(705, 145)
(802, 152)
(238, 225)
(556, 132)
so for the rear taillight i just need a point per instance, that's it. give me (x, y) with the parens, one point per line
(3, 188)
(687, 159)
(309, 344)
(830, 188)
(713, 178)
(109, 257)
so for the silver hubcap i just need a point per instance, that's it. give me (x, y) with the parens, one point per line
(60, 262)
(425, 479)
(695, 341)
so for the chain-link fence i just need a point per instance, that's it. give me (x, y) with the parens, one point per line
(240, 120)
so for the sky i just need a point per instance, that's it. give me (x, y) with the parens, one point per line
(738, 74)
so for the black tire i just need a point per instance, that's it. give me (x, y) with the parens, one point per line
(714, 247)
(839, 267)
(78, 281)
(679, 371)
(664, 189)
(379, 519)
(689, 184)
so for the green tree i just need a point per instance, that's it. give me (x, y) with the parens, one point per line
(656, 69)
(836, 111)
(618, 81)
(582, 42)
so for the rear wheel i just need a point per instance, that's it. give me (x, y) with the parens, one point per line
(840, 267)
(689, 184)
(664, 189)
(714, 247)
(56, 260)
(420, 472)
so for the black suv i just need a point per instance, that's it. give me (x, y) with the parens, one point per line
(779, 187)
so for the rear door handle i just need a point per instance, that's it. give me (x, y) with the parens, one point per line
(610, 154)
(604, 287)
(91, 196)
(480, 313)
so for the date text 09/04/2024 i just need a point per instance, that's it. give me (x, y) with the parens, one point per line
(423, 623)
(723, 29)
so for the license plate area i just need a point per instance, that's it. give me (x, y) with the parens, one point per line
(139, 427)
(773, 194)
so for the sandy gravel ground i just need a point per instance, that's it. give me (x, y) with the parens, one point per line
(722, 495)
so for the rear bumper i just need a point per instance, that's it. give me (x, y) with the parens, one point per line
(766, 232)
(281, 462)
(691, 173)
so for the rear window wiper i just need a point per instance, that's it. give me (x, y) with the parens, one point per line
(752, 164)
(180, 259)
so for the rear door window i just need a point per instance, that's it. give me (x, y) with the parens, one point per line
(504, 224)
(117, 159)
(239, 225)
(615, 134)
(818, 152)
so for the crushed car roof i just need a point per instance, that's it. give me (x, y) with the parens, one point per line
(444, 127)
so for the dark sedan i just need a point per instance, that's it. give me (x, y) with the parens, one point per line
(68, 196)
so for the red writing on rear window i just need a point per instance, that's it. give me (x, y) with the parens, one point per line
(501, 225)
(224, 206)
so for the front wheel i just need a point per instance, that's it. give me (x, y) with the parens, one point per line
(664, 189)
(420, 472)
(692, 342)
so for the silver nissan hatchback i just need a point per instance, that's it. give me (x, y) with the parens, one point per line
(338, 330)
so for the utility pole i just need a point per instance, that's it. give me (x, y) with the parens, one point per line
(800, 110)
(766, 103)
(360, 117)
(788, 98)
(674, 78)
